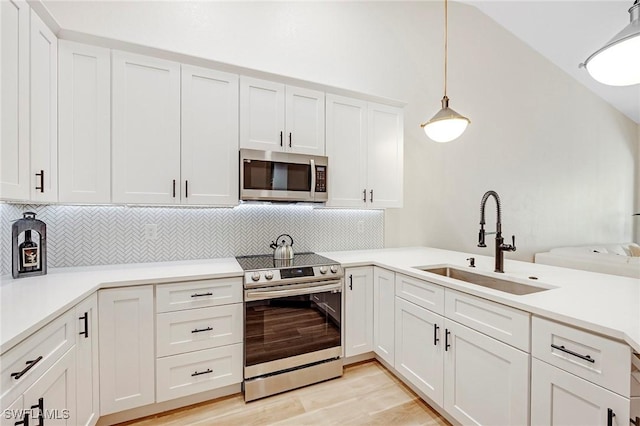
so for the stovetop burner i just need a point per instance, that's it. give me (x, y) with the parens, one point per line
(266, 261)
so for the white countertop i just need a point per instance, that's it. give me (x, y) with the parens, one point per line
(606, 304)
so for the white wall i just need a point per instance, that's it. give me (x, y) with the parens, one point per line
(562, 160)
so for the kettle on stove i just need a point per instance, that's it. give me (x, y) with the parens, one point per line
(282, 249)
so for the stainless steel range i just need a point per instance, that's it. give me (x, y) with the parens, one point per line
(293, 317)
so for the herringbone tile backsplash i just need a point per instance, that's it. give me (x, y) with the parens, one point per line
(98, 235)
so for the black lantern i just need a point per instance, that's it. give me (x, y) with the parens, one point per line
(29, 239)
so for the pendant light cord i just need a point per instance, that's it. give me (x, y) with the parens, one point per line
(446, 20)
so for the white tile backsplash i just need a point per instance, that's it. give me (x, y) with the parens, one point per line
(97, 235)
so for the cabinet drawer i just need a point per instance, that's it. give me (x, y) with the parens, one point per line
(196, 329)
(44, 346)
(194, 372)
(506, 324)
(592, 357)
(422, 293)
(198, 294)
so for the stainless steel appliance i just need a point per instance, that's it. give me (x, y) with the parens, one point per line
(282, 176)
(293, 323)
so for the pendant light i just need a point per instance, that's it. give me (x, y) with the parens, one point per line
(447, 124)
(618, 62)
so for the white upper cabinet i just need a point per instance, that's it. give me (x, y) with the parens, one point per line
(275, 117)
(146, 130)
(44, 112)
(365, 149)
(84, 119)
(209, 137)
(346, 149)
(385, 147)
(14, 113)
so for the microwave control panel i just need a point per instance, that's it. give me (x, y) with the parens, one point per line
(321, 179)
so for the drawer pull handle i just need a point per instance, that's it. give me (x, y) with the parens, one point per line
(40, 407)
(85, 317)
(576, 354)
(200, 330)
(610, 416)
(435, 334)
(199, 373)
(202, 294)
(30, 364)
(24, 421)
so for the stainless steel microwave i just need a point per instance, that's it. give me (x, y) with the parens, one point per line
(282, 176)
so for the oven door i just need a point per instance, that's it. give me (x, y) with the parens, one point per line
(289, 327)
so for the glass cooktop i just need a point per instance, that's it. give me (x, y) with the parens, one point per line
(266, 261)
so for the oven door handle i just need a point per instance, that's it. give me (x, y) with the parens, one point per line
(271, 294)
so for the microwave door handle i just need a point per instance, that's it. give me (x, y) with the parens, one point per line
(313, 179)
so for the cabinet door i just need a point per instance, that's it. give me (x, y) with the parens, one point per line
(358, 310)
(84, 123)
(209, 137)
(87, 368)
(14, 113)
(383, 314)
(385, 157)
(304, 118)
(346, 124)
(146, 130)
(14, 413)
(44, 112)
(419, 348)
(53, 396)
(560, 398)
(486, 381)
(127, 377)
(261, 114)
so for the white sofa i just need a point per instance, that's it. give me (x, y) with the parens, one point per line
(615, 259)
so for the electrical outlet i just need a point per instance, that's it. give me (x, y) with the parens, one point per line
(150, 231)
(360, 227)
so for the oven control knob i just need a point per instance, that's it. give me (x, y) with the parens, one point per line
(268, 275)
(334, 269)
(255, 276)
(323, 270)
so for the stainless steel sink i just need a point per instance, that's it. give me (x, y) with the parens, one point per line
(484, 280)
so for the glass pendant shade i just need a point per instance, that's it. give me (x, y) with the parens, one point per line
(618, 62)
(446, 125)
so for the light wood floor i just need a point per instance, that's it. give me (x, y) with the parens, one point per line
(367, 394)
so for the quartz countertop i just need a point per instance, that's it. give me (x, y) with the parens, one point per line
(605, 304)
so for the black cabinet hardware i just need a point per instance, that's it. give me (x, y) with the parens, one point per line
(635, 422)
(289, 139)
(371, 195)
(186, 189)
(199, 373)
(610, 416)
(200, 330)
(40, 407)
(350, 282)
(435, 334)
(174, 188)
(85, 318)
(24, 421)
(447, 345)
(30, 364)
(576, 354)
(472, 262)
(202, 294)
(364, 195)
(281, 139)
(41, 187)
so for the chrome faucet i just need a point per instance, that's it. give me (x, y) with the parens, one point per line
(500, 246)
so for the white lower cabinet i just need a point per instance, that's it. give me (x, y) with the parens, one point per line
(87, 367)
(560, 398)
(383, 314)
(358, 317)
(53, 395)
(486, 381)
(127, 374)
(419, 350)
